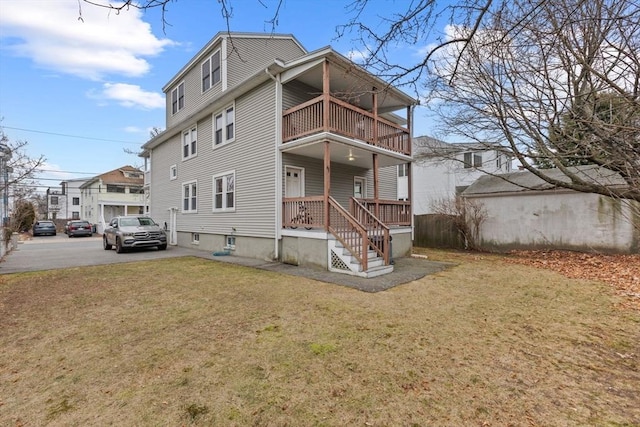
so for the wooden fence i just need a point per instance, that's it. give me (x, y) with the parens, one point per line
(436, 231)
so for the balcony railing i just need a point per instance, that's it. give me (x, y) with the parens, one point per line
(346, 120)
(390, 212)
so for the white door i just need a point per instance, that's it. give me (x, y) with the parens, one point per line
(173, 224)
(403, 182)
(359, 187)
(294, 182)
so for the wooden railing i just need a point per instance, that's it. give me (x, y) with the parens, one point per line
(307, 212)
(377, 232)
(349, 232)
(390, 212)
(344, 119)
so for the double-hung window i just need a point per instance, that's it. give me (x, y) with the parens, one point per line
(189, 143)
(177, 98)
(190, 196)
(211, 71)
(224, 126)
(224, 192)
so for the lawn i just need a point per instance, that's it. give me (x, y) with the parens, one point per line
(190, 341)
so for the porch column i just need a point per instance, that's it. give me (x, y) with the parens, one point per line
(410, 129)
(376, 184)
(374, 100)
(327, 184)
(326, 94)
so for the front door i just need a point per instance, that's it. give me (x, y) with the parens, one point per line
(359, 187)
(294, 182)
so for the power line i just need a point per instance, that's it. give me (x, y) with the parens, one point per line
(71, 136)
(56, 170)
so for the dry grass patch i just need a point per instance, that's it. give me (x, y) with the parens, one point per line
(193, 342)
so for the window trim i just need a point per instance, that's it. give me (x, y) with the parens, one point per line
(195, 238)
(193, 143)
(173, 172)
(211, 72)
(190, 184)
(179, 101)
(224, 207)
(224, 127)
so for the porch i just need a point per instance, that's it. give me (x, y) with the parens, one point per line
(358, 235)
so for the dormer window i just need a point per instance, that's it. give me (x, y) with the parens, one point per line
(211, 74)
(177, 98)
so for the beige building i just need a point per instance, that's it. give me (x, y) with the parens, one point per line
(117, 192)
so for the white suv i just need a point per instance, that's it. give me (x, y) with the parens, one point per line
(126, 232)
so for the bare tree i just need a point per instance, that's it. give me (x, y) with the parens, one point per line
(534, 75)
(22, 169)
(467, 216)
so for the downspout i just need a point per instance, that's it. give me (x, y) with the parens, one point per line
(278, 162)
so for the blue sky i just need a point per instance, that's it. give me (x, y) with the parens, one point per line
(81, 92)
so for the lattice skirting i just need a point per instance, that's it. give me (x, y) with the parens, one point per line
(338, 263)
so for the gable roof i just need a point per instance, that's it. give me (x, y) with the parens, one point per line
(524, 181)
(118, 176)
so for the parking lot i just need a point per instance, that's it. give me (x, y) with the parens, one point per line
(60, 251)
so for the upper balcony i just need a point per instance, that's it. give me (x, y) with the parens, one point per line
(344, 119)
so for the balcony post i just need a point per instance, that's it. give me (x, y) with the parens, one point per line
(326, 95)
(327, 184)
(376, 184)
(375, 116)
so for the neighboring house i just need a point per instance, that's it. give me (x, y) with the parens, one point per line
(274, 152)
(118, 192)
(443, 170)
(525, 212)
(65, 202)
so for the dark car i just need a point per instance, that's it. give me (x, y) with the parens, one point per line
(125, 232)
(79, 228)
(41, 228)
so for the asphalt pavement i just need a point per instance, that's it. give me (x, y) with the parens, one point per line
(53, 252)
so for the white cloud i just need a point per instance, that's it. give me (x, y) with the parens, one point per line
(131, 96)
(101, 43)
(358, 56)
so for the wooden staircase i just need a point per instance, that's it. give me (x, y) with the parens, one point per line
(361, 243)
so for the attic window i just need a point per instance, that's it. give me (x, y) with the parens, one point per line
(211, 71)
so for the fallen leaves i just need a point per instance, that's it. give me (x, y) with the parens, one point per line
(622, 272)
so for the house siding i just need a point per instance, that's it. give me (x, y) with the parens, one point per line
(388, 183)
(296, 93)
(251, 156)
(341, 177)
(254, 54)
(250, 56)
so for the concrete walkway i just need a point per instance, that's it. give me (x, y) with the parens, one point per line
(405, 270)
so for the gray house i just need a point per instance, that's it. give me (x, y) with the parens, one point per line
(525, 212)
(274, 152)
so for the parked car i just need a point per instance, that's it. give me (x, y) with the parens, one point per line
(44, 228)
(125, 232)
(79, 228)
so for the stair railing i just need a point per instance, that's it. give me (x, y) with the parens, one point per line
(349, 232)
(377, 231)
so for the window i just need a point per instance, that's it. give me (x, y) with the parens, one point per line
(402, 170)
(224, 126)
(224, 194)
(76, 201)
(477, 160)
(75, 215)
(467, 160)
(211, 71)
(499, 161)
(177, 98)
(189, 144)
(231, 242)
(195, 238)
(54, 200)
(190, 197)
(115, 188)
(173, 172)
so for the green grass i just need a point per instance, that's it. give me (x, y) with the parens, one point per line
(194, 342)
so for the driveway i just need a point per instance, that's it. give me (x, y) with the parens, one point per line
(51, 252)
